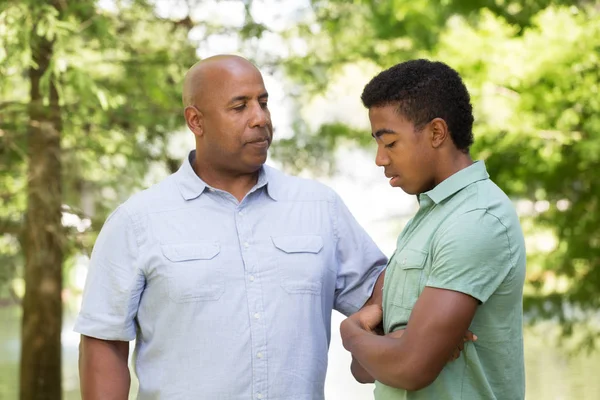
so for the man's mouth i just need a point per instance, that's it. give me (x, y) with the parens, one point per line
(260, 142)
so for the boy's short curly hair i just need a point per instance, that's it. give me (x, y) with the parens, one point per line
(424, 90)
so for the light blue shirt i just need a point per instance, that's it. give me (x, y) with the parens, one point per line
(228, 299)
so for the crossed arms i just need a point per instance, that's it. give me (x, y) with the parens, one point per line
(413, 358)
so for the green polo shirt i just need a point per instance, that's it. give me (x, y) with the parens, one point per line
(465, 237)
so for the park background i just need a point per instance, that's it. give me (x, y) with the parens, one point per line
(90, 112)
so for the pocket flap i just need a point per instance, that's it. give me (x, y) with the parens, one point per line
(411, 259)
(298, 244)
(191, 251)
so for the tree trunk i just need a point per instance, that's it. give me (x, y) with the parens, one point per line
(43, 236)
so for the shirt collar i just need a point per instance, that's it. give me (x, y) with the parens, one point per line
(460, 180)
(192, 186)
(273, 180)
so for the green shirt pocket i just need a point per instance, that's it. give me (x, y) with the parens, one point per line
(408, 271)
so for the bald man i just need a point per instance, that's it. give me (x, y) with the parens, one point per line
(225, 273)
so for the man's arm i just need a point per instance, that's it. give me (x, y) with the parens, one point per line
(377, 294)
(359, 262)
(412, 361)
(111, 296)
(103, 370)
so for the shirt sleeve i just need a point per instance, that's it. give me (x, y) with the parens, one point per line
(359, 261)
(114, 282)
(472, 256)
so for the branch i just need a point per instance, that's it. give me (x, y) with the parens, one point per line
(11, 227)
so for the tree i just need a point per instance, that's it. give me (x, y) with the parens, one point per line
(89, 97)
(41, 358)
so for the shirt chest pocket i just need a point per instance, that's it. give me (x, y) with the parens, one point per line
(300, 263)
(194, 271)
(409, 268)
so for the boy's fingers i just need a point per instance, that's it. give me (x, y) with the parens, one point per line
(469, 337)
(455, 355)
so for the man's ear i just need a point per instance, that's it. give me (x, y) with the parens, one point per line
(194, 120)
(439, 132)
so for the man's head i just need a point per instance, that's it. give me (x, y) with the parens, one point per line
(225, 104)
(421, 117)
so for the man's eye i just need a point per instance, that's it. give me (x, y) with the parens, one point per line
(264, 104)
(390, 145)
(241, 107)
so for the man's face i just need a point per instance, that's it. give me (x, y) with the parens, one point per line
(236, 120)
(404, 153)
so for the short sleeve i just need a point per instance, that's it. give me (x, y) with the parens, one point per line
(472, 256)
(359, 261)
(114, 282)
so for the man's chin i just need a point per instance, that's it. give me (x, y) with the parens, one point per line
(255, 164)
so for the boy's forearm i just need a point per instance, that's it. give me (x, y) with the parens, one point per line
(360, 373)
(378, 355)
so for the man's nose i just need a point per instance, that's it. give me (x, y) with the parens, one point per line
(260, 116)
(381, 158)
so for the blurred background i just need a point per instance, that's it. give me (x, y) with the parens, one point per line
(90, 112)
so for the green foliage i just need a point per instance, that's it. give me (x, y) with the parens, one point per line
(532, 70)
(531, 67)
(313, 150)
(388, 31)
(538, 128)
(118, 75)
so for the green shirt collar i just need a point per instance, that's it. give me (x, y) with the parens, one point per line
(454, 183)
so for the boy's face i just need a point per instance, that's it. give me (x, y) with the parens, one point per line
(405, 153)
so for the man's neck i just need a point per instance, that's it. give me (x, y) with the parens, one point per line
(238, 184)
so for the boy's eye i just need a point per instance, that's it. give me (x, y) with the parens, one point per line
(390, 145)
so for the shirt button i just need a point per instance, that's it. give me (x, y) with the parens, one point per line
(256, 315)
(241, 213)
(404, 261)
(259, 355)
(251, 278)
(246, 245)
(259, 396)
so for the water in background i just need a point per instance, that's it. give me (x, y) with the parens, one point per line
(551, 374)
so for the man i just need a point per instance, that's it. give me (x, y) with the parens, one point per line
(227, 271)
(459, 263)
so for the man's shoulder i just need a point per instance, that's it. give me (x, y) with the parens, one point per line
(294, 188)
(158, 197)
